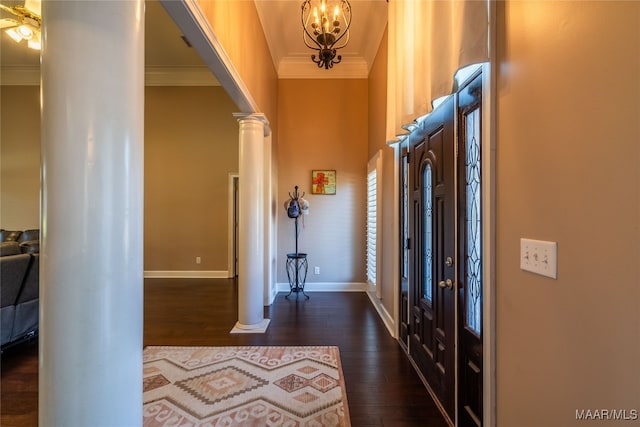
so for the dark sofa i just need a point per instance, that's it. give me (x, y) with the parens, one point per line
(19, 285)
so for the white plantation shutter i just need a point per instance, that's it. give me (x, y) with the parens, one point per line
(372, 222)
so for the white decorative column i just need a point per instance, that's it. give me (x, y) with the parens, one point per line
(91, 276)
(251, 268)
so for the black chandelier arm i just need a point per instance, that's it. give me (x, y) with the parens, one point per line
(306, 6)
(321, 63)
(346, 30)
(305, 33)
(338, 39)
(325, 43)
(326, 63)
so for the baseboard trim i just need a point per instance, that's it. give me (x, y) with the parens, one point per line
(181, 274)
(272, 295)
(327, 287)
(383, 313)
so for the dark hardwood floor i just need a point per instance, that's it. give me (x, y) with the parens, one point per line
(382, 386)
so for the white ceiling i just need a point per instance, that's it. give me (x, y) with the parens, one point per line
(166, 50)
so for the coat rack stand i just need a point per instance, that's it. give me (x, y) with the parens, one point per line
(297, 265)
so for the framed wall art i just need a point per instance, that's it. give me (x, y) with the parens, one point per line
(323, 182)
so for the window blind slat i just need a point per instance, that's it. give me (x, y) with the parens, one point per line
(372, 201)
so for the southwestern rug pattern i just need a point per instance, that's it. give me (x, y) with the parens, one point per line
(244, 386)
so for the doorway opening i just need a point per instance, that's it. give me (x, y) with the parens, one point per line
(232, 246)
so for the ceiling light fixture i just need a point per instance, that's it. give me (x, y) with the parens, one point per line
(325, 29)
(26, 24)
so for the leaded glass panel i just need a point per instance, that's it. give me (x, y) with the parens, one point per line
(405, 215)
(473, 223)
(427, 238)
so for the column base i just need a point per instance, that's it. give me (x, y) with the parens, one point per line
(258, 328)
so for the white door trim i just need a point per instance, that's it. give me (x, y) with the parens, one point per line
(488, 168)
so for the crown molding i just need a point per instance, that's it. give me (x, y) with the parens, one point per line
(20, 76)
(179, 76)
(154, 76)
(303, 68)
(289, 68)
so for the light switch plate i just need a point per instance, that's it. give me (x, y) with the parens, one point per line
(539, 257)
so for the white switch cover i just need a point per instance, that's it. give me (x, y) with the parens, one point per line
(539, 257)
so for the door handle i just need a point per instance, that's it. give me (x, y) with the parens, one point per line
(446, 284)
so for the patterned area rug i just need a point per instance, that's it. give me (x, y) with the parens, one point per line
(244, 386)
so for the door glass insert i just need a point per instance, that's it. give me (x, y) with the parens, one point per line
(427, 238)
(473, 225)
(405, 216)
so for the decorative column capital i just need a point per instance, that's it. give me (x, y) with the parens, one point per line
(256, 117)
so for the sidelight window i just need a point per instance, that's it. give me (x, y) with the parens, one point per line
(427, 238)
(405, 216)
(473, 222)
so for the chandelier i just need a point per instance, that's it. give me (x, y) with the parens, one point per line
(25, 23)
(325, 29)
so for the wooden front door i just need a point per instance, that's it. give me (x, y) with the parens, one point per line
(432, 222)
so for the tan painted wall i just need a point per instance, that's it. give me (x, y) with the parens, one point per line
(323, 125)
(20, 157)
(568, 150)
(191, 145)
(237, 27)
(377, 85)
